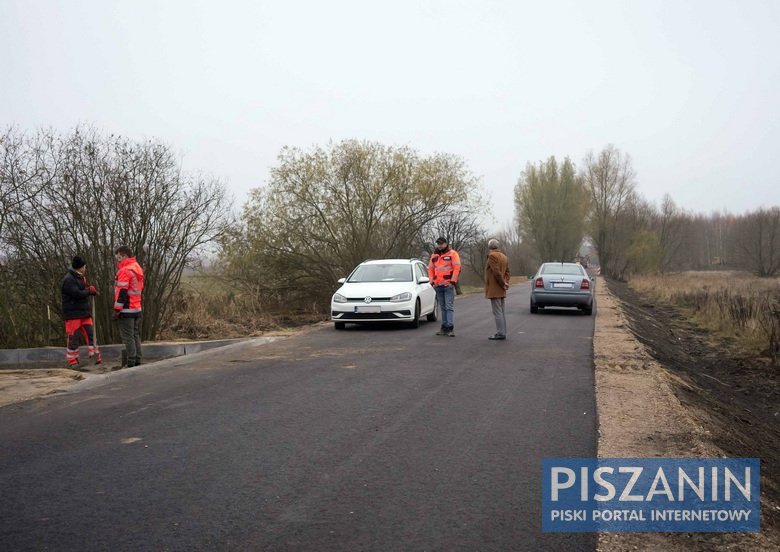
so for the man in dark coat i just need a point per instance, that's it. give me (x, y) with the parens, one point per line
(76, 312)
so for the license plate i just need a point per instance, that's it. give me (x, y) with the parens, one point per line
(562, 285)
(369, 309)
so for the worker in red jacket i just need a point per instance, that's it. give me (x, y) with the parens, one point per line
(444, 270)
(76, 312)
(128, 290)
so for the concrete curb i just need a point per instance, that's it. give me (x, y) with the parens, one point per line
(45, 357)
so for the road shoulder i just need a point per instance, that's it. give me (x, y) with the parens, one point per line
(19, 385)
(640, 416)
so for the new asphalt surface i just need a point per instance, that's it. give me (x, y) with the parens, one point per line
(372, 438)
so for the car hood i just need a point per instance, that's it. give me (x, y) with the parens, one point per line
(375, 289)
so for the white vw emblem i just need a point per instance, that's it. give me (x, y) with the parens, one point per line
(367, 300)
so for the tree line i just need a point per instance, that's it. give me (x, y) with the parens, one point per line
(321, 212)
(558, 206)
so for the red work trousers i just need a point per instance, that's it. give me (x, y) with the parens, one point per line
(72, 328)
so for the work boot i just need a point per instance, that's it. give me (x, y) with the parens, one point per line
(443, 331)
(451, 332)
(77, 367)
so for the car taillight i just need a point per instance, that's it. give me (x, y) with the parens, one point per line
(585, 284)
(539, 283)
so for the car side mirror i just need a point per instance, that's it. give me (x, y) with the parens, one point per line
(423, 280)
(530, 277)
(342, 280)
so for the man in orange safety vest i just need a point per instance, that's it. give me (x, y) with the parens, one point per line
(127, 302)
(444, 270)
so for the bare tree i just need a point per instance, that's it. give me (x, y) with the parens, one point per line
(522, 258)
(550, 206)
(610, 179)
(465, 235)
(671, 230)
(631, 227)
(707, 241)
(758, 240)
(103, 191)
(23, 170)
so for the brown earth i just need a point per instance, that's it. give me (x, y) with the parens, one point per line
(38, 382)
(21, 385)
(662, 391)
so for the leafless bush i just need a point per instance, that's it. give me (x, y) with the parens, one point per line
(92, 193)
(758, 241)
(769, 324)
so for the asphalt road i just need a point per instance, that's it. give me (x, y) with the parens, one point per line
(381, 438)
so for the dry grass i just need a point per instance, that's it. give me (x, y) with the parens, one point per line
(206, 307)
(733, 304)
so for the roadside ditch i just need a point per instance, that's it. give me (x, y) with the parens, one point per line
(662, 392)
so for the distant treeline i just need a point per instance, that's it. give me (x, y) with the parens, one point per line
(556, 206)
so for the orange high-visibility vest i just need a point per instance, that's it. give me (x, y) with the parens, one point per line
(444, 267)
(128, 286)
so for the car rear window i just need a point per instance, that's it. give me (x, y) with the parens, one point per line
(382, 273)
(571, 270)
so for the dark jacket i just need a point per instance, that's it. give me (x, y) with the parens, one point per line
(75, 296)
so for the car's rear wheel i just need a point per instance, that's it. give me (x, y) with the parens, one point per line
(534, 309)
(433, 316)
(416, 322)
(339, 325)
(588, 310)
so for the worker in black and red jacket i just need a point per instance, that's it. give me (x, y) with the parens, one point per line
(76, 312)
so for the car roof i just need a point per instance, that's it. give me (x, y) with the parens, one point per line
(390, 261)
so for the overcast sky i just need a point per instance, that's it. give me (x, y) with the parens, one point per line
(689, 89)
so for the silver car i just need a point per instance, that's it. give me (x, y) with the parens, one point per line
(562, 285)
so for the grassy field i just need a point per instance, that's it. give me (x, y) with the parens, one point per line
(734, 305)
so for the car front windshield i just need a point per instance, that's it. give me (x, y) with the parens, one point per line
(382, 273)
(566, 269)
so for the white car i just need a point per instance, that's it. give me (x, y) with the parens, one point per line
(389, 290)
